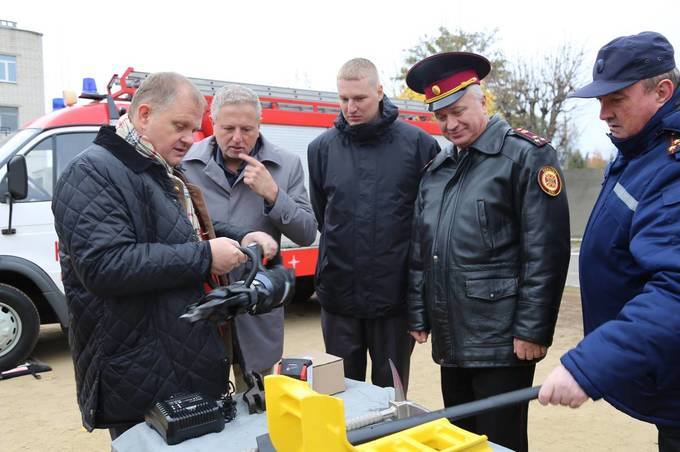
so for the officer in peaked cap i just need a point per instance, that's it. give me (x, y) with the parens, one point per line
(490, 247)
(444, 77)
(630, 253)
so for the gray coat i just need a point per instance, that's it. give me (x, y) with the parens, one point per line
(291, 215)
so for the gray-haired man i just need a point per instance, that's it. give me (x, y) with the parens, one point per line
(255, 184)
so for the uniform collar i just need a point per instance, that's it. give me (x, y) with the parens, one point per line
(491, 141)
(662, 120)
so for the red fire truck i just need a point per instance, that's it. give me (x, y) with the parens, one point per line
(31, 292)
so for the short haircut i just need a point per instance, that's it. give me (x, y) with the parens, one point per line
(673, 75)
(160, 90)
(357, 69)
(235, 95)
(476, 91)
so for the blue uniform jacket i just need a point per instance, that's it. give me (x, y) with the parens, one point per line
(630, 278)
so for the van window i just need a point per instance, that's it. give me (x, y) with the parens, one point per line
(69, 145)
(54, 152)
(40, 172)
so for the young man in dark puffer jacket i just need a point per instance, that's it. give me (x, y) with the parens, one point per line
(363, 180)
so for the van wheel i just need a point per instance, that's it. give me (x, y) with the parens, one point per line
(19, 326)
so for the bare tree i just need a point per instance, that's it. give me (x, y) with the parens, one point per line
(534, 94)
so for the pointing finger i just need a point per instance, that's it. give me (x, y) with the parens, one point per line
(250, 160)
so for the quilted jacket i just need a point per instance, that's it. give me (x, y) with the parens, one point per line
(131, 264)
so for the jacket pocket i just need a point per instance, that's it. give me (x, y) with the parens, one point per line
(483, 219)
(491, 289)
(128, 383)
(488, 311)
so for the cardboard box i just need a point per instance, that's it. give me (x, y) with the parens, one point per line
(326, 374)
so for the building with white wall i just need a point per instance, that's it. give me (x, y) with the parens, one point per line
(22, 92)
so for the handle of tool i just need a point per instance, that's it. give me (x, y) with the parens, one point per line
(372, 432)
(370, 418)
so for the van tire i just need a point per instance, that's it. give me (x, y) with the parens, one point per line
(19, 326)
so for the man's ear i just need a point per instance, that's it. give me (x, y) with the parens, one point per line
(380, 92)
(142, 115)
(664, 91)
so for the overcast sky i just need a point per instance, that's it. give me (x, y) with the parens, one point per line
(302, 43)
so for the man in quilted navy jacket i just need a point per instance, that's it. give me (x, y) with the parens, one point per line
(136, 246)
(630, 254)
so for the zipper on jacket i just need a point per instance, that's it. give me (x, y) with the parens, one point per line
(458, 175)
(483, 219)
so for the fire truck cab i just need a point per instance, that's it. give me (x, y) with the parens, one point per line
(31, 161)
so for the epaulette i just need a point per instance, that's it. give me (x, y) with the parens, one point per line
(530, 137)
(674, 146)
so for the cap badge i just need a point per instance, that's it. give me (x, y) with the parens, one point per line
(436, 90)
(549, 180)
(599, 66)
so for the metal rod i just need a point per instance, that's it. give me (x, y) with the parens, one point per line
(372, 432)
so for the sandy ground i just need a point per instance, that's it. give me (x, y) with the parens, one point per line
(38, 415)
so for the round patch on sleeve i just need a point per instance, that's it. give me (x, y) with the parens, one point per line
(549, 180)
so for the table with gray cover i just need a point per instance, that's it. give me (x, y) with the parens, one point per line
(239, 435)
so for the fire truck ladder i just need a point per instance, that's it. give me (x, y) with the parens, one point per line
(327, 100)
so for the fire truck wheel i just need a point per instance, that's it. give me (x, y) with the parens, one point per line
(19, 326)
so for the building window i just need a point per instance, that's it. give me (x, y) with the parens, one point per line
(9, 120)
(8, 68)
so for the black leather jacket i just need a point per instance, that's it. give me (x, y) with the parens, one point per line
(490, 250)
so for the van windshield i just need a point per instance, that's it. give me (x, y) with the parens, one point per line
(14, 144)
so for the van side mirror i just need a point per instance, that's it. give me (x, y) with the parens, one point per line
(17, 186)
(17, 178)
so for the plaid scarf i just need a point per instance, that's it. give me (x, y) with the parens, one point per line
(127, 131)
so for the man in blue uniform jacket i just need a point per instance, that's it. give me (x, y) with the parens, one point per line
(630, 255)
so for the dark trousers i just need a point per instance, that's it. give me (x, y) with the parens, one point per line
(506, 426)
(669, 438)
(384, 338)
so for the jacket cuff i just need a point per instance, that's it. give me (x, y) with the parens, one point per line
(534, 323)
(417, 318)
(570, 364)
(231, 231)
(205, 271)
(283, 209)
